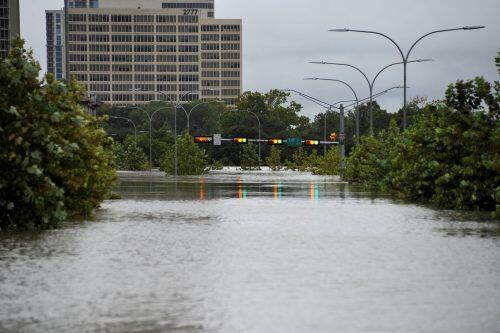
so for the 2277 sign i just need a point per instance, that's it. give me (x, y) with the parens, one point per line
(190, 11)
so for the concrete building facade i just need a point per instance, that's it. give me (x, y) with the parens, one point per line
(128, 51)
(9, 25)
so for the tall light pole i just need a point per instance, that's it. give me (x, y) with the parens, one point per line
(355, 97)
(406, 56)
(130, 121)
(188, 114)
(328, 107)
(371, 83)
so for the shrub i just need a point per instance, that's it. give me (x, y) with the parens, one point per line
(274, 159)
(450, 155)
(130, 157)
(249, 158)
(329, 164)
(191, 159)
(217, 165)
(55, 159)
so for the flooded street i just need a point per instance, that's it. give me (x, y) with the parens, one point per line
(254, 252)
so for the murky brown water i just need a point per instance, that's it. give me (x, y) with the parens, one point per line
(254, 253)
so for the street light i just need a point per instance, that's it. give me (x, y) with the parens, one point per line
(329, 107)
(130, 121)
(355, 97)
(188, 114)
(371, 83)
(407, 56)
(177, 105)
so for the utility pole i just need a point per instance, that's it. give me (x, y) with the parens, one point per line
(342, 137)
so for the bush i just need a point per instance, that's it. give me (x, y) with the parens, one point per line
(329, 164)
(274, 159)
(191, 159)
(130, 157)
(369, 162)
(450, 156)
(217, 165)
(249, 158)
(55, 159)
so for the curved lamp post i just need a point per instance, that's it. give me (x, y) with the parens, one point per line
(329, 107)
(406, 56)
(371, 83)
(188, 114)
(130, 121)
(355, 97)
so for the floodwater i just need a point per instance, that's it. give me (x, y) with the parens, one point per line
(254, 252)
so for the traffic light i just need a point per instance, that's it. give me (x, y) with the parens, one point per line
(240, 141)
(333, 136)
(203, 139)
(311, 142)
(275, 142)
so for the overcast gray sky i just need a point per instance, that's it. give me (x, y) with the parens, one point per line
(280, 37)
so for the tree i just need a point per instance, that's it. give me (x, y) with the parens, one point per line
(249, 158)
(130, 157)
(329, 164)
(451, 156)
(55, 159)
(192, 160)
(274, 159)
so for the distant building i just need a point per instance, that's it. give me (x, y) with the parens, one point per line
(9, 25)
(125, 51)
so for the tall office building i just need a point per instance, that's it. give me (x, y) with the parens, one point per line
(9, 24)
(126, 51)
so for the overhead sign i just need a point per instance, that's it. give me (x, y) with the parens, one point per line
(275, 142)
(203, 139)
(294, 142)
(240, 141)
(312, 142)
(217, 139)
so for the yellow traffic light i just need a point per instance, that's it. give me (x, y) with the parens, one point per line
(310, 142)
(275, 142)
(203, 139)
(240, 141)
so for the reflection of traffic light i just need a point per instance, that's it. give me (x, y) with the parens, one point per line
(240, 141)
(333, 136)
(203, 139)
(310, 142)
(275, 142)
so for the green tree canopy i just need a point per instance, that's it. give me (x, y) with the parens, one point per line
(55, 159)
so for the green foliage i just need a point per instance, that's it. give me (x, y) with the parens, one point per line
(274, 159)
(55, 159)
(449, 156)
(192, 160)
(249, 157)
(130, 157)
(329, 164)
(217, 165)
(369, 162)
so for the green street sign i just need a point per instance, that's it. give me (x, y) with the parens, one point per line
(294, 142)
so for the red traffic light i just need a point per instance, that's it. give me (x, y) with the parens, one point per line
(203, 139)
(275, 142)
(312, 142)
(240, 141)
(333, 136)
